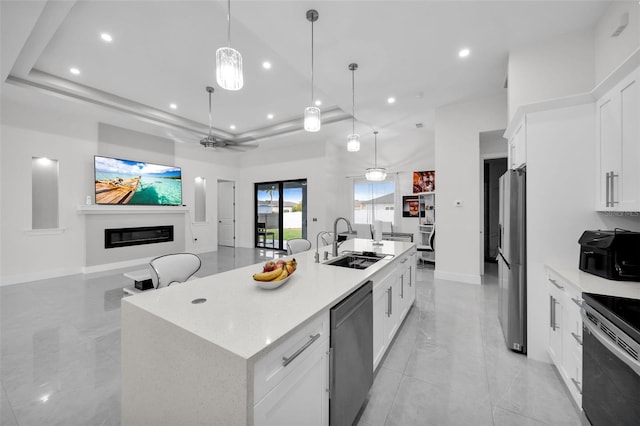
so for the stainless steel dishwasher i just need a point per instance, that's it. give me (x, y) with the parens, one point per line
(351, 355)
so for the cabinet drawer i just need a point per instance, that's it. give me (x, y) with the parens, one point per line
(270, 369)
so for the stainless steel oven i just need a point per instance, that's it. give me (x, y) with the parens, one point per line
(611, 364)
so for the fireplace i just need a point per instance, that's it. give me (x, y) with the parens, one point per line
(123, 237)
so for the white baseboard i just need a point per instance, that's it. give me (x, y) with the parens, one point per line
(453, 276)
(37, 276)
(116, 265)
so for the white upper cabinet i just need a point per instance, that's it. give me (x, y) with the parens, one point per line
(618, 146)
(518, 146)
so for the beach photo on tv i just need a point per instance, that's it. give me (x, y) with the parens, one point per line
(120, 181)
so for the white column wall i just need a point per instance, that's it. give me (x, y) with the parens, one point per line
(458, 239)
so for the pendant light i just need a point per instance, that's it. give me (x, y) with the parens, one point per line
(312, 113)
(376, 173)
(353, 140)
(229, 61)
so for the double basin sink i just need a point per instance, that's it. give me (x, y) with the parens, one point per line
(358, 260)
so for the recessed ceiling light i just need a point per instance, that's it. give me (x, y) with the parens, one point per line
(106, 37)
(463, 53)
(318, 102)
(391, 100)
(74, 70)
(232, 127)
(173, 106)
(266, 65)
(270, 116)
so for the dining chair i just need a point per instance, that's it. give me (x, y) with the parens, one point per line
(173, 268)
(297, 245)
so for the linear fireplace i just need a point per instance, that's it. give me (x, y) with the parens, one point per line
(123, 237)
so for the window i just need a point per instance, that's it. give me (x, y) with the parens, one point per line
(373, 201)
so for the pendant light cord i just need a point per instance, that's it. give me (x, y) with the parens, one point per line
(312, 62)
(228, 23)
(209, 115)
(375, 149)
(353, 101)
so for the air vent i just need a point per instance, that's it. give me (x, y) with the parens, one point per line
(616, 336)
(608, 332)
(628, 349)
(624, 21)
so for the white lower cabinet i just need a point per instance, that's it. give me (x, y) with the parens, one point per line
(291, 381)
(565, 333)
(393, 296)
(302, 397)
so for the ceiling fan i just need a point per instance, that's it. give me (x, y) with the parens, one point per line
(210, 141)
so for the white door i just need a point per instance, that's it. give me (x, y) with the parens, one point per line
(226, 213)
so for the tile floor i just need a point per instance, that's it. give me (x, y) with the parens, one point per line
(60, 365)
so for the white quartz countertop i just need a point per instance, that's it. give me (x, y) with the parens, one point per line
(244, 319)
(589, 283)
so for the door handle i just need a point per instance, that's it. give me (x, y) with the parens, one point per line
(608, 190)
(401, 286)
(613, 195)
(554, 282)
(286, 361)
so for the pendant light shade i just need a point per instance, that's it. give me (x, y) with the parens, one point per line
(375, 173)
(353, 140)
(229, 61)
(312, 119)
(229, 68)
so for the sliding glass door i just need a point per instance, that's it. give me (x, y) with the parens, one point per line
(280, 212)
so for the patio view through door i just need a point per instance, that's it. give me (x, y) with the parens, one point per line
(280, 212)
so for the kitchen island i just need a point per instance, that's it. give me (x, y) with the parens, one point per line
(219, 361)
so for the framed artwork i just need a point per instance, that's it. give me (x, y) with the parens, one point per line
(424, 181)
(410, 206)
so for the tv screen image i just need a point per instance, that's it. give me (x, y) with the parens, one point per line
(120, 181)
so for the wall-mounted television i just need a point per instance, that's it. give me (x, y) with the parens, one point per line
(120, 181)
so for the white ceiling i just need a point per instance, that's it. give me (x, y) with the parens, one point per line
(164, 52)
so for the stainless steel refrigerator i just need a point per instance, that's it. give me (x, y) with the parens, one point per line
(512, 260)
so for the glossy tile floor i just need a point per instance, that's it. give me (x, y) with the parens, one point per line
(448, 366)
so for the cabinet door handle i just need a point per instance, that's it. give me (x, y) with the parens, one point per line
(401, 286)
(577, 385)
(554, 282)
(552, 313)
(404, 260)
(608, 190)
(389, 301)
(577, 302)
(613, 195)
(286, 361)
(578, 338)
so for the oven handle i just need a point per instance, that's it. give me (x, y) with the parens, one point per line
(614, 349)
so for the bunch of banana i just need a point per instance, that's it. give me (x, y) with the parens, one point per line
(276, 271)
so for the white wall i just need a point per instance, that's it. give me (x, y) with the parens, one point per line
(555, 68)
(610, 52)
(73, 141)
(27, 133)
(457, 152)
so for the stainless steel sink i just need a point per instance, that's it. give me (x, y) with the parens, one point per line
(357, 260)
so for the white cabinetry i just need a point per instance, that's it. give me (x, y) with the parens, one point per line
(291, 381)
(618, 146)
(518, 145)
(565, 332)
(393, 296)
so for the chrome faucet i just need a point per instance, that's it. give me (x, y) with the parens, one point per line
(334, 251)
(317, 256)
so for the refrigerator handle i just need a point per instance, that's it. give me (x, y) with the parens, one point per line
(499, 235)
